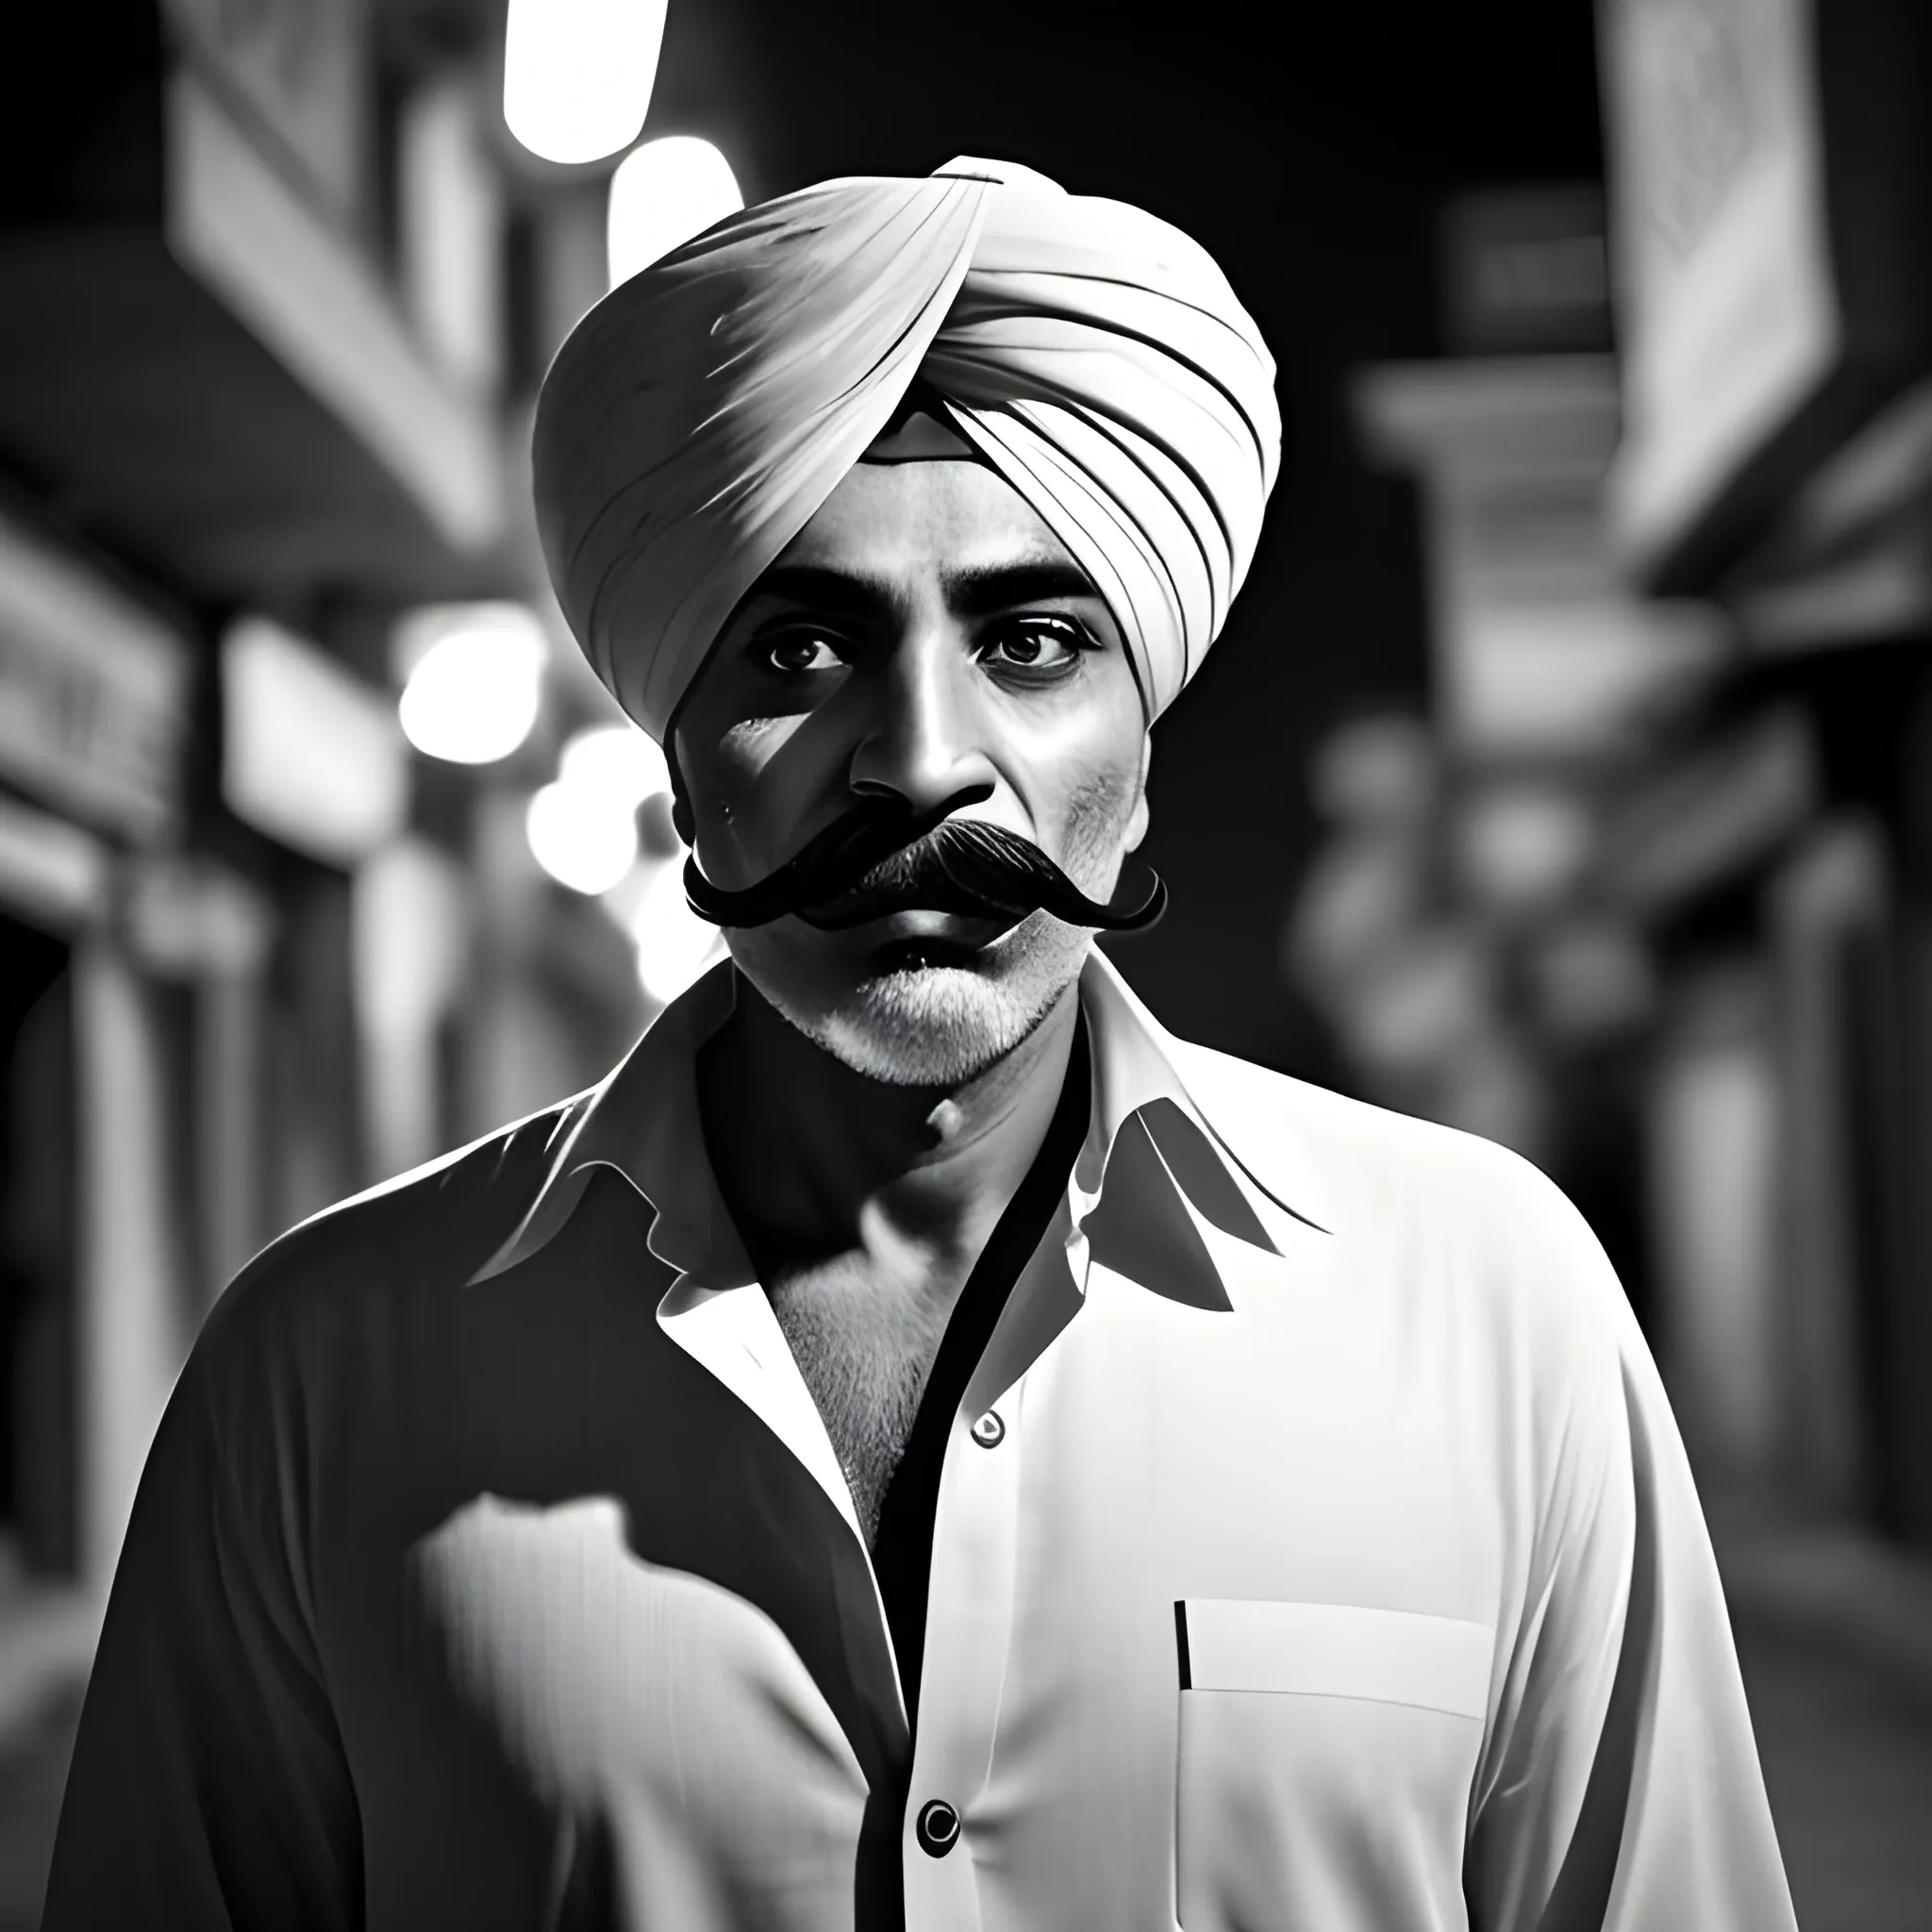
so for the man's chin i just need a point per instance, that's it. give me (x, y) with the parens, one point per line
(926, 1025)
(917, 1010)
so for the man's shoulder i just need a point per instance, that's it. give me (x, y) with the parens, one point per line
(1348, 1150)
(1425, 1217)
(435, 1225)
(1368, 1173)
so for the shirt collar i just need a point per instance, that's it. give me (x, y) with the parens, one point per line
(1151, 1168)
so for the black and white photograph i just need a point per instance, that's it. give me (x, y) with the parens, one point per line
(966, 969)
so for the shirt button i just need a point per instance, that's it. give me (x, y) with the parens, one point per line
(937, 1828)
(988, 1431)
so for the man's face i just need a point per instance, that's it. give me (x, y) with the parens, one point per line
(924, 632)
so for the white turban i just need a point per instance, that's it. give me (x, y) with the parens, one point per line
(1096, 357)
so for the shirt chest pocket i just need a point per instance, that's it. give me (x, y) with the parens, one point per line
(1325, 1758)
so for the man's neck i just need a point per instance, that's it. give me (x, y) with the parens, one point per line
(816, 1161)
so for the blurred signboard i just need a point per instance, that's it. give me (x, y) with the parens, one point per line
(1540, 651)
(93, 693)
(311, 754)
(299, 71)
(1770, 192)
(235, 224)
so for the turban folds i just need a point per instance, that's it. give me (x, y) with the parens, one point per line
(699, 415)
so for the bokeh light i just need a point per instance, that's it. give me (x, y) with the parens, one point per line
(577, 74)
(663, 193)
(617, 761)
(578, 840)
(675, 945)
(474, 683)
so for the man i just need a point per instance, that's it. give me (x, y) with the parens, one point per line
(918, 1444)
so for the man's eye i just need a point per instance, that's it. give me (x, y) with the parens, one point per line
(800, 650)
(1035, 643)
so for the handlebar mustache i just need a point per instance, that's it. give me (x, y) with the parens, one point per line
(883, 857)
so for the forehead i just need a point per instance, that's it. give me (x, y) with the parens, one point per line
(903, 520)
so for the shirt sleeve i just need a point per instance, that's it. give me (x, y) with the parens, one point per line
(207, 1786)
(1622, 1790)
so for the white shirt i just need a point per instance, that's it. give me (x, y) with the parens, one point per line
(1314, 1549)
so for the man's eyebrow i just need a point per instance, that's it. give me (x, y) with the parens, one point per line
(835, 592)
(973, 591)
(980, 592)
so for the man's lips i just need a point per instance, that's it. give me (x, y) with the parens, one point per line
(863, 905)
(912, 952)
(955, 938)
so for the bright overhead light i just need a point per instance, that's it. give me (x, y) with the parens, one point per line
(577, 74)
(579, 839)
(618, 762)
(475, 682)
(675, 945)
(663, 193)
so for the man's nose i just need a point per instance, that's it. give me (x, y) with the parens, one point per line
(921, 738)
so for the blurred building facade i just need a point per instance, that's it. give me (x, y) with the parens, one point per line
(1643, 892)
(275, 291)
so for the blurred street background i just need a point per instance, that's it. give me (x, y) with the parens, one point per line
(1565, 773)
